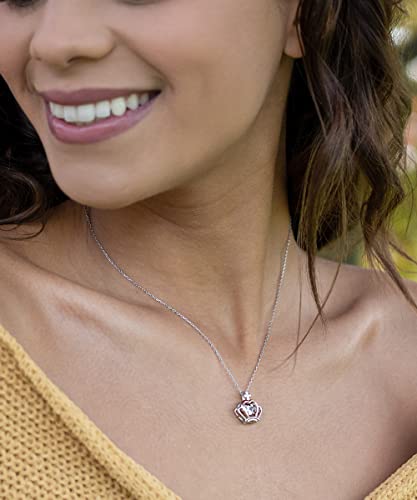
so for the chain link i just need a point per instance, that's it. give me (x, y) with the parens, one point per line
(188, 321)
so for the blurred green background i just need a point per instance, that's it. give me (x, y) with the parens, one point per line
(404, 222)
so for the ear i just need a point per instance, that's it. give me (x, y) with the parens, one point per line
(293, 47)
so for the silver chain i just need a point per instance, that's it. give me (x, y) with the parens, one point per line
(188, 321)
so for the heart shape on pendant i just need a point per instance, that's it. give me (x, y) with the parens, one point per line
(248, 412)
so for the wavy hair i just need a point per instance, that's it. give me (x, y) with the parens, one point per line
(347, 109)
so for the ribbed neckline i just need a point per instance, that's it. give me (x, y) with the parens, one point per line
(130, 474)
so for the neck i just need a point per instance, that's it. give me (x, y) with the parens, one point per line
(222, 256)
(211, 249)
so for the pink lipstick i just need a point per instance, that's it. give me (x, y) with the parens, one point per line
(99, 130)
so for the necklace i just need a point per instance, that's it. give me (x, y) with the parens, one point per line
(247, 411)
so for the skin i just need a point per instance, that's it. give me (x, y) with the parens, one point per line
(191, 202)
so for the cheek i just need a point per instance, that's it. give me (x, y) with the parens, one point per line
(15, 34)
(217, 58)
(14, 43)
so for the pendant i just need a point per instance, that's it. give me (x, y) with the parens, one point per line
(248, 411)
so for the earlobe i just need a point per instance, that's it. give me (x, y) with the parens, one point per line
(293, 46)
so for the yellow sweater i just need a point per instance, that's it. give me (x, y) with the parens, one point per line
(50, 449)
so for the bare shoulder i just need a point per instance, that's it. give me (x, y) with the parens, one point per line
(383, 299)
(30, 259)
(392, 341)
(379, 296)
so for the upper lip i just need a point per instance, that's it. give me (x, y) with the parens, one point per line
(82, 96)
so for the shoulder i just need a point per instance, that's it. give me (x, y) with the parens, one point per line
(31, 261)
(391, 341)
(377, 293)
(383, 300)
(379, 298)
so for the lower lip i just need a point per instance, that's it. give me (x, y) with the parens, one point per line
(99, 130)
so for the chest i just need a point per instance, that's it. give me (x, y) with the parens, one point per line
(169, 406)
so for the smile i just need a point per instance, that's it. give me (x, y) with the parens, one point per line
(94, 122)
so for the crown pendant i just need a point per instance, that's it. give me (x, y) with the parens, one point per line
(248, 411)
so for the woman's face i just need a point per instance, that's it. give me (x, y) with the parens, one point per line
(219, 64)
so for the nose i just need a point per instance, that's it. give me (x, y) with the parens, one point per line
(68, 30)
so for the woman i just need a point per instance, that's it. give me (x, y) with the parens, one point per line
(205, 151)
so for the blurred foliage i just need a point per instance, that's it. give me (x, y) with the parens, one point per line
(404, 222)
(412, 12)
(404, 226)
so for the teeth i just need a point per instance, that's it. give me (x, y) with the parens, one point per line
(118, 106)
(133, 101)
(90, 112)
(85, 113)
(70, 114)
(103, 109)
(59, 110)
(144, 99)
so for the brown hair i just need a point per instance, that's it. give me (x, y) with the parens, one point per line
(347, 109)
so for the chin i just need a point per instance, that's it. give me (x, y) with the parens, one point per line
(105, 199)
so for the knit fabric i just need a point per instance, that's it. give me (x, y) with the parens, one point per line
(50, 449)
(400, 485)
